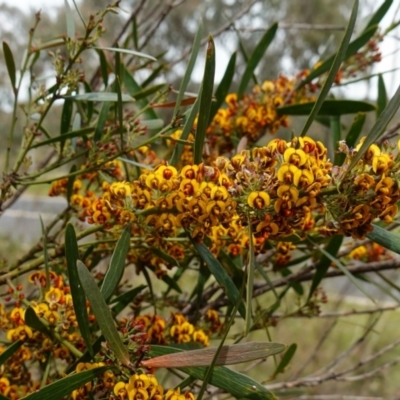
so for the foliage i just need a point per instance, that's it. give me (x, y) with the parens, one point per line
(201, 192)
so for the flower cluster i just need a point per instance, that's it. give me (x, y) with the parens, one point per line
(271, 193)
(179, 329)
(258, 113)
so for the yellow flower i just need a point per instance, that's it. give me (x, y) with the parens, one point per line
(289, 173)
(53, 296)
(121, 189)
(258, 200)
(295, 156)
(201, 337)
(381, 163)
(219, 193)
(23, 333)
(304, 179)
(166, 171)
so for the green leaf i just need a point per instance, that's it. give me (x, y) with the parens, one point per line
(223, 87)
(32, 320)
(235, 383)
(119, 113)
(152, 124)
(103, 115)
(77, 293)
(187, 128)
(382, 96)
(104, 67)
(70, 184)
(117, 264)
(10, 63)
(124, 299)
(79, 13)
(336, 132)
(45, 254)
(352, 49)
(126, 51)
(189, 69)
(81, 132)
(9, 351)
(346, 272)
(65, 386)
(377, 130)
(147, 92)
(134, 89)
(100, 96)
(169, 259)
(171, 283)
(251, 266)
(355, 129)
(329, 108)
(205, 102)
(66, 117)
(227, 355)
(221, 276)
(385, 238)
(340, 56)
(321, 269)
(256, 57)
(103, 314)
(287, 357)
(379, 14)
(70, 20)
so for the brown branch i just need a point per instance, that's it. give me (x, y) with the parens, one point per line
(17, 194)
(389, 134)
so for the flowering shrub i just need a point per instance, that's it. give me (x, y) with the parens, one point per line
(209, 195)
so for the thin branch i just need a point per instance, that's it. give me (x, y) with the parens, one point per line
(297, 26)
(389, 134)
(217, 32)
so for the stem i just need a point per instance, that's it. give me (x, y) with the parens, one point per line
(17, 270)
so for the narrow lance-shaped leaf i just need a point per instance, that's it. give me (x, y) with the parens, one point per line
(103, 115)
(354, 46)
(104, 67)
(379, 14)
(100, 96)
(329, 107)
(127, 51)
(66, 117)
(322, 268)
(220, 275)
(385, 238)
(336, 133)
(65, 386)
(355, 129)
(382, 96)
(9, 351)
(205, 102)
(223, 87)
(117, 264)
(251, 266)
(70, 20)
(239, 385)
(346, 272)
(340, 56)
(103, 314)
(45, 254)
(187, 128)
(77, 293)
(228, 355)
(256, 57)
(32, 320)
(287, 357)
(376, 131)
(10, 63)
(189, 69)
